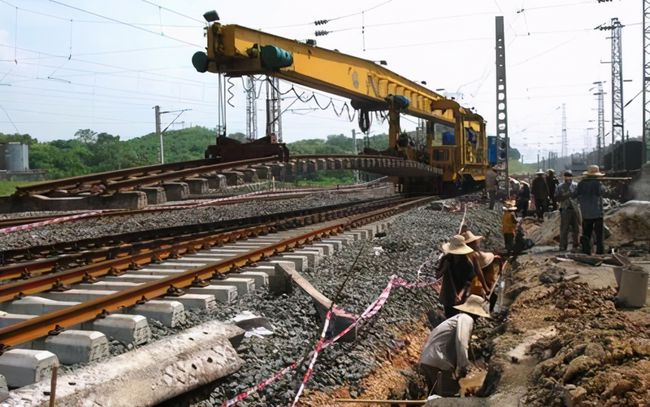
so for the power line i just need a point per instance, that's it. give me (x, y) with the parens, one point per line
(174, 11)
(327, 20)
(10, 119)
(61, 18)
(124, 23)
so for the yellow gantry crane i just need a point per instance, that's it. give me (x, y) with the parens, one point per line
(234, 50)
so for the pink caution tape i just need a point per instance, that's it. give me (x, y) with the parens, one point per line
(52, 221)
(322, 343)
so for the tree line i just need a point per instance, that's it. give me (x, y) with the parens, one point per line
(90, 151)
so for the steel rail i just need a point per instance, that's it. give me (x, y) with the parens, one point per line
(55, 321)
(59, 279)
(62, 248)
(102, 177)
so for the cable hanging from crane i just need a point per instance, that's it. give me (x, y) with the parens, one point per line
(351, 113)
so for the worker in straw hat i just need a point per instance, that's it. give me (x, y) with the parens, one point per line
(447, 347)
(590, 193)
(489, 266)
(457, 271)
(509, 225)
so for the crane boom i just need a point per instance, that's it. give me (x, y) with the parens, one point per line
(234, 50)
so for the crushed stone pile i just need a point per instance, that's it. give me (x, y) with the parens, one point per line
(598, 357)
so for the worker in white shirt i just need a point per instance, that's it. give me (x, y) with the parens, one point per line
(446, 348)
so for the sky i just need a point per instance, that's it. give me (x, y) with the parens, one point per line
(71, 64)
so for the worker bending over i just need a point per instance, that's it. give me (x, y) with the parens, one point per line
(446, 348)
(489, 266)
(457, 272)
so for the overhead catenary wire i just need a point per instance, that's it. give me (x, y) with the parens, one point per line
(124, 23)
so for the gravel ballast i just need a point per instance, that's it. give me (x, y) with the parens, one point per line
(87, 228)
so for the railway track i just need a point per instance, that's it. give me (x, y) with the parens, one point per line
(9, 225)
(310, 227)
(37, 260)
(53, 311)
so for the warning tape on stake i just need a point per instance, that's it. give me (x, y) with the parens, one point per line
(370, 311)
(61, 219)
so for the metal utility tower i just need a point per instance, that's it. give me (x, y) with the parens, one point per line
(273, 109)
(600, 138)
(646, 79)
(565, 141)
(502, 102)
(618, 130)
(251, 109)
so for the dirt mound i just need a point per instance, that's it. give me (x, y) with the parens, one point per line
(598, 357)
(629, 224)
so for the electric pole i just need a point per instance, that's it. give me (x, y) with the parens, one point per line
(646, 81)
(273, 109)
(502, 100)
(600, 141)
(565, 140)
(161, 154)
(160, 133)
(251, 109)
(618, 130)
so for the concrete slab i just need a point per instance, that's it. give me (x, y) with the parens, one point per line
(249, 245)
(8, 319)
(155, 195)
(244, 285)
(197, 186)
(22, 367)
(224, 294)
(156, 372)
(155, 272)
(364, 234)
(261, 278)
(75, 346)
(169, 313)
(326, 248)
(77, 295)
(36, 305)
(176, 265)
(132, 278)
(124, 328)
(229, 252)
(300, 262)
(200, 259)
(204, 302)
(338, 242)
(217, 181)
(312, 256)
(107, 285)
(352, 235)
(176, 191)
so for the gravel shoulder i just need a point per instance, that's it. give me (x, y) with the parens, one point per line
(87, 228)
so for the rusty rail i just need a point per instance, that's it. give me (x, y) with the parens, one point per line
(148, 254)
(102, 177)
(119, 241)
(44, 324)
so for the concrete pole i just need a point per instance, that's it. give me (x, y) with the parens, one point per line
(159, 133)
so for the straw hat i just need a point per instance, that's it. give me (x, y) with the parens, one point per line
(474, 305)
(485, 259)
(593, 171)
(540, 172)
(456, 245)
(471, 237)
(509, 206)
